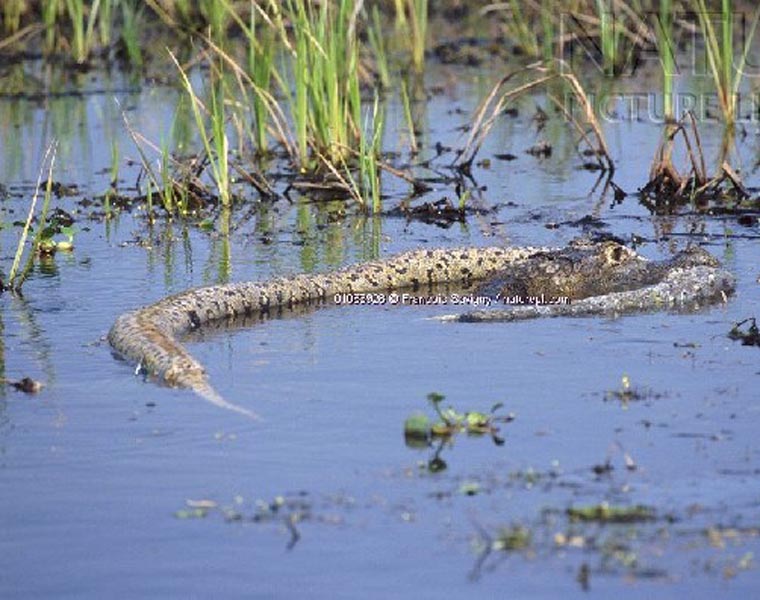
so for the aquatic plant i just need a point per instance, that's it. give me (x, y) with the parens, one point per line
(418, 19)
(668, 188)
(411, 24)
(666, 51)
(496, 101)
(51, 10)
(83, 27)
(451, 422)
(720, 54)
(376, 39)
(132, 20)
(15, 278)
(519, 26)
(406, 104)
(260, 71)
(11, 13)
(215, 14)
(616, 40)
(366, 191)
(215, 141)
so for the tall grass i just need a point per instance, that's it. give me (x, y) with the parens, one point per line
(609, 35)
(83, 27)
(15, 278)
(407, 106)
(322, 62)
(131, 17)
(261, 36)
(418, 12)
(377, 43)
(499, 98)
(261, 50)
(12, 11)
(216, 15)
(720, 54)
(369, 153)
(666, 50)
(214, 138)
(51, 11)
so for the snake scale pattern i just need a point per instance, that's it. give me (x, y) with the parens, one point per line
(149, 335)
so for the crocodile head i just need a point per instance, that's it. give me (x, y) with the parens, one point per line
(587, 268)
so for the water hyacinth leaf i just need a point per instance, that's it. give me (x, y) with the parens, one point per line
(477, 421)
(442, 429)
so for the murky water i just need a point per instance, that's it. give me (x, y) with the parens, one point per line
(97, 469)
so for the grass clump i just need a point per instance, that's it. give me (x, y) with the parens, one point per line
(720, 50)
(499, 98)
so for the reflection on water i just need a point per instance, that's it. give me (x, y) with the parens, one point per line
(94, 500)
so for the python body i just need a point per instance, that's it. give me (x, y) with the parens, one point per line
(599, 278)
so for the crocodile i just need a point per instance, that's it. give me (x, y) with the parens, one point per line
(603, 277)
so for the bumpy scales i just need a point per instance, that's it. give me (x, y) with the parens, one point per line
(608, 278)
(149, 335)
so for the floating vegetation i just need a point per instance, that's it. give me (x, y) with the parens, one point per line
(668, 188)
(26, 385)
(286, 510)
(420, 431)
(452, 422)
(606, 513)
(749, 336)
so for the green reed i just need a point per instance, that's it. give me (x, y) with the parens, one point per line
(106, 20)
(609, 36)
(51, 12)
(131, 23)
(369, 152)
(261, 36)
(167, 180)
(215, 14)
(214, 137)
(16, 279)
(720, 54)
(666, 51)
(326, 100)
(377, 44)
(82, 27)
(407, 106)
(520, 28)
(12, 12)
(418, 11)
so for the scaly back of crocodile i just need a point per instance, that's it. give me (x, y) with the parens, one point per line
(149, 335)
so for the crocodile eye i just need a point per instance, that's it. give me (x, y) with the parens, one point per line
(615, 254)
